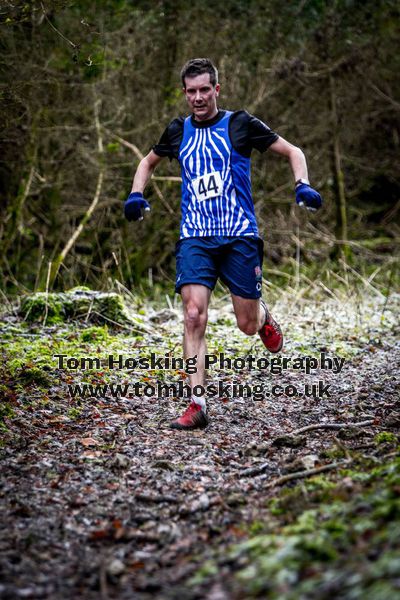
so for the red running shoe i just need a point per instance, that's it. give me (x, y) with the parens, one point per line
(270, 333)
(194, 417)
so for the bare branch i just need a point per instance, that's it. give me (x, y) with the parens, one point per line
(75, 46)
(140, 156)
(381, 94)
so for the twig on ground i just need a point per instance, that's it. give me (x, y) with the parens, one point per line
(342, 447)
(103, 581)
(307, 473)
(331, 426)
(157, 499)
(253, 470)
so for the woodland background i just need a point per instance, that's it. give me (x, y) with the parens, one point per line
(88, 87)
(284, 498)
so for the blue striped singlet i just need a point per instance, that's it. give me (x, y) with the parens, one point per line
(216, 186)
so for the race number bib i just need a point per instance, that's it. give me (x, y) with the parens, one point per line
(208, 186)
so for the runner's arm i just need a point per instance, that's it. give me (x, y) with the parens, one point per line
(295, 156)
(144, 171)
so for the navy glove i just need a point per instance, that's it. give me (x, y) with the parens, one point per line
(306, 196)
(134, 206)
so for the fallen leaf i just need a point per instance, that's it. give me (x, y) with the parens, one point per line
(89, 442)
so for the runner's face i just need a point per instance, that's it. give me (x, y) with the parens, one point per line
(201, 96)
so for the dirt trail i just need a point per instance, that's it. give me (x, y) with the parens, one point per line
(111, 503)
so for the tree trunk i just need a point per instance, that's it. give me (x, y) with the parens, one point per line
(342, 247)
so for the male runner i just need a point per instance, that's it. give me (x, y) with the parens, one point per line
(218, 232)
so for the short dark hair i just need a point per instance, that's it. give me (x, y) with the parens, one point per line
(198, 66)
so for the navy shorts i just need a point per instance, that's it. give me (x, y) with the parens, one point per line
(237, 261)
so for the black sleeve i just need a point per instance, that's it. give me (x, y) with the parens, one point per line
(170, 141)
(248, 132)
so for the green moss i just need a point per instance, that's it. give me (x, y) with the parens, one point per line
(332, 453)
(292, 501)
(95, 334)
(77, 303)
(6, 412)
(256, 527)
(42, 307)
(4, 390)
(15, 364)
(325, 541)
(385, 437)
(32, 375)
(113, 147)
(203, 572)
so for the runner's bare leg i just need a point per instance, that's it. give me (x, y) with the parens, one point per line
(195, 300)
(250, 315)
